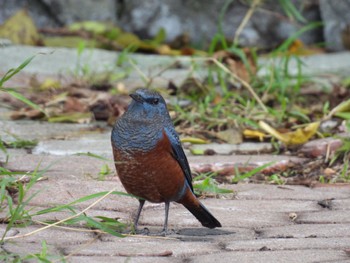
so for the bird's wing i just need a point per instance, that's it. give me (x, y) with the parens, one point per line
(179, 154)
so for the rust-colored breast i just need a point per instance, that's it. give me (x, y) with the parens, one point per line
(154, 175)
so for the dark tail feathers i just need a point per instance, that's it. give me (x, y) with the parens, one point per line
(203, 215)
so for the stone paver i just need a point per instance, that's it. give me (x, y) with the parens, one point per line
(261, 223)
(256, 219)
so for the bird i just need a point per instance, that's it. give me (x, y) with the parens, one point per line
(150, 160)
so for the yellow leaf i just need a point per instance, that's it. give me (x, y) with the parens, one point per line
(251, 134)
(342, 107)
(197, 151)
(127, 39)
(91, 26)
(68, 41)
(194, 140)
(299, 136)
(20, 29)
(50, 84)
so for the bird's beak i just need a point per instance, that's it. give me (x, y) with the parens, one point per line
(136, 97)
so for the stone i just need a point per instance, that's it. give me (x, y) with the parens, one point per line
(336, 19)
(69, 11)
(321, 147)
(148, 17)
(199, 20)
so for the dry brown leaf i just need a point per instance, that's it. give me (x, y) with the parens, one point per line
(243, 70)
(232, 136)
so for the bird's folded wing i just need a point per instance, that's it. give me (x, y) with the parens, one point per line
(179, 154)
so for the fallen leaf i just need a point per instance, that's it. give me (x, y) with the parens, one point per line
(68, 41)
(95, 27)
(232, 136)
(239, 62)
(343, 107)
(253, 134)
(49, 84)
(297, 137)
(194, 140)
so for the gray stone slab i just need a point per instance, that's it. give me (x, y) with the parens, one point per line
(225, 148)
(306, 231)
(289, 244)
(108, 259)
(35, 130)
(53, 61)
(62, 236)
(288, 192)
(324, 217)
(25, 249)
(99, 144)
(50, 60)
(338, 63)
(148, 246)
(295, 256)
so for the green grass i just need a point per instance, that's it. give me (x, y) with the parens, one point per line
(204, 185)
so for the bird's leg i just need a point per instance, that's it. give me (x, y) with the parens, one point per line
(165, 228)
(142, 202)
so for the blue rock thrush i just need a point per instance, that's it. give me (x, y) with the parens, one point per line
(149, 158)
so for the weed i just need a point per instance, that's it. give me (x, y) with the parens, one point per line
(84, 72)
(11, 91)
(342, 153)
(240, 177)
(345, 173)
(105, 171)
(207, 185)
(16, 207)
(276, 179)
(19, 143)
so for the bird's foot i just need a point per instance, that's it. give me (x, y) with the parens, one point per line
(144, 231)
(167, 232)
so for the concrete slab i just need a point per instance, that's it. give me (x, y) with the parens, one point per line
(295, 256)
(306, 231)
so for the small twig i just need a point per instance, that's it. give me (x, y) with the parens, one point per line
(71, 228)
(75, 251)
(327, 152)
(245, 20)
(243, 82)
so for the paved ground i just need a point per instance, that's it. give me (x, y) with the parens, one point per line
(261, 223)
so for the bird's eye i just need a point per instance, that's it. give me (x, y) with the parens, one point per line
(155, 101)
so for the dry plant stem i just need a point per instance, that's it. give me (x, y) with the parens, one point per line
(75, 251)
(96, 231)
(220, 65)
(63, 220)
(245, 20)
(146, 79)
(244, 83)
(70, 228)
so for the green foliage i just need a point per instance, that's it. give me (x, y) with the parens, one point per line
(240, 177)
(11, 91)
(18, 143)
(207, 185)
(17, 214)
(342, 153)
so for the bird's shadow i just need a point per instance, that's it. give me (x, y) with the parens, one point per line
(199, 234)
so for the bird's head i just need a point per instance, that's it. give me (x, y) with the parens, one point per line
(147, 104)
